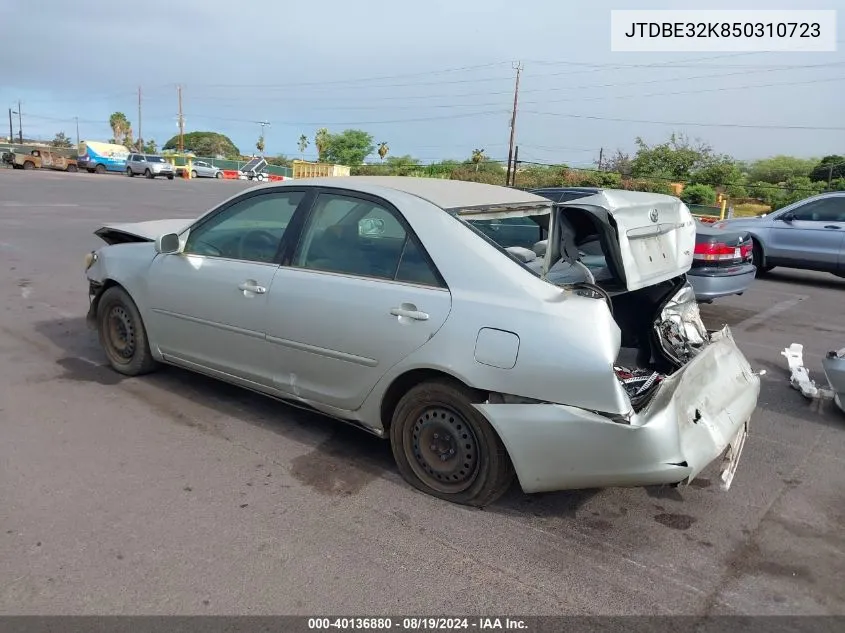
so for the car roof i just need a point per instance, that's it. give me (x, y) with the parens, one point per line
(446, 194)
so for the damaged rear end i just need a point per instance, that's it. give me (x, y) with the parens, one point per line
(692, 392)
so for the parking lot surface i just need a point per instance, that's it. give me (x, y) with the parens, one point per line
(174, 493)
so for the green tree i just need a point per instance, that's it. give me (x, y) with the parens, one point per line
(303, 144)
(211, 144)
(699, 194)
(321, 140)
(349, 147)
(150, 147)
(281, 160)
(829, 167)
(121, 128)
(675, 159)
(383, 150)
(60, 140)
(779, 169)
(620, 163)
(721, 171)
(477, 157)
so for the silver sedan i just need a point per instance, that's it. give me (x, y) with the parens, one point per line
(388, 303)
(809, 234)
(202, 169)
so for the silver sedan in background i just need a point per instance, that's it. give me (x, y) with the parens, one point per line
(808, 234)
(201, 169)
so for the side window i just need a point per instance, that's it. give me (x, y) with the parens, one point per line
(826, 210)
(360, 237)
(249, 230)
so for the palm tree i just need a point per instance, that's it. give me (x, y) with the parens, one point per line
(477, 157)
(121, 128)
(259, 145)
(321, 140)
(303, 144)
(383, 149)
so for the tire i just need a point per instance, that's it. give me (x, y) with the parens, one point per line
(148, 174)
(29, 165)
(122, 334)
(129, 172)
(170, 176)
(100, 169)
(194, 175)
(219, 174)
(72, 169)
(444, 447)
(757, 257)
(260, 177)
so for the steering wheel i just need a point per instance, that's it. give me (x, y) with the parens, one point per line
(257, 236)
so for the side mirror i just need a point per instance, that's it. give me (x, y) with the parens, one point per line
(167, 243)
(787, 217)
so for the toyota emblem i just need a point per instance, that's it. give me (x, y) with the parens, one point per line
(653, 215)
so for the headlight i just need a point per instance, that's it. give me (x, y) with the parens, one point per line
(90, 258)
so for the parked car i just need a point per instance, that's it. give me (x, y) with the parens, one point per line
(149, 165)
(40, 159)
(380, 301)
(201, 169)
(809, 235)
(722, 261)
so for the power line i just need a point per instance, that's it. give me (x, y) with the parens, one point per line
(725, 125)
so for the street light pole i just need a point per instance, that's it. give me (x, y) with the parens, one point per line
(20, 124)
(263, 124)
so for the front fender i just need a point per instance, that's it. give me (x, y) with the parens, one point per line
(126, 265)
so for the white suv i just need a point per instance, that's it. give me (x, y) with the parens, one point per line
(149, 165)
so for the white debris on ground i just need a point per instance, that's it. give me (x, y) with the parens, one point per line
(800, 377)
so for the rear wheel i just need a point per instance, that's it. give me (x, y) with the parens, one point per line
(757, 256)
(444, 447)
(122, 334)
(100, 169)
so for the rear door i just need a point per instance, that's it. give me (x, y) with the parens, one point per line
(357, 296)
(813, 238)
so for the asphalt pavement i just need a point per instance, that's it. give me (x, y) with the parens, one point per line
(176, 494)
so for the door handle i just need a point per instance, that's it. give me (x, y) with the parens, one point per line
(251, 286)
(411, 314)
(831, 226)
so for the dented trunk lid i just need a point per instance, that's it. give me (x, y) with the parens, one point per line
(654, 234)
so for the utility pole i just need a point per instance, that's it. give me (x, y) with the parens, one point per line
(11, 129)
(77, 133)
(140, 136)
(181, 121)
(515, 165)
(829, 176)
(20, 124)
(518, 68)
(601, 156)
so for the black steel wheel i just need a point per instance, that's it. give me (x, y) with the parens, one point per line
(446, 448)
(757, 259)
(122, 333)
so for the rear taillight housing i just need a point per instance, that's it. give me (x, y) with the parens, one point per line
(719, 252)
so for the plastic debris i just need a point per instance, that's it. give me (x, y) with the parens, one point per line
(800, 377)
(639, 383)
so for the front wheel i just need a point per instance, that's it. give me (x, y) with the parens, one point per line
(757, 259)
(170, 176)
(100, 169)
(148, 174)
(29, 165)
(219, 174)
(193, 174)
(129, 172)
(444, 447)
(122, 334)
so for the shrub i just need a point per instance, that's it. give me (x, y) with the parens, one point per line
(699, 194)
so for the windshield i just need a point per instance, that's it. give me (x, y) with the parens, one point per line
(155, 159)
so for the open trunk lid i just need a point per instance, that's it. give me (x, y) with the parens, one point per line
(123, 233)
(655, 234)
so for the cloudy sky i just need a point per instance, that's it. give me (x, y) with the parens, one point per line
(433, 79)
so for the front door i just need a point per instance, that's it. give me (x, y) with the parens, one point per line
(209, 301)
(360, 294)
(813, 238)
